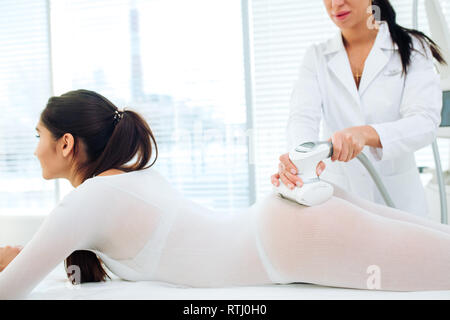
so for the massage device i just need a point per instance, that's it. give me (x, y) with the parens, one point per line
(306, 157)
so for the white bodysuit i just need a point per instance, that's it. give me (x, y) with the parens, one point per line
(142, 228)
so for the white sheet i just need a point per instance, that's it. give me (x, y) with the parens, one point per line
(56, 287)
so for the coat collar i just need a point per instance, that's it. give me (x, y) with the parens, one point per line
(375, 62)
(383, 40)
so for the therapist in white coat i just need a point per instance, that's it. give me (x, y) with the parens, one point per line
(376, 89)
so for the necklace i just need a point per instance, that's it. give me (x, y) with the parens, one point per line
(357, 77)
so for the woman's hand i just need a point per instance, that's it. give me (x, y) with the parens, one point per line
(7, 254)
(347, 143)
(287, 172)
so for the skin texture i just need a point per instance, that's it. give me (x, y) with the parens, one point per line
(55, 157)
(358, 39)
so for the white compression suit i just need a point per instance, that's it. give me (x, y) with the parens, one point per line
(144, 229)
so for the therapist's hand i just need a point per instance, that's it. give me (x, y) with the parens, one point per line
(287, 172)
(7, 254)
(347, 143)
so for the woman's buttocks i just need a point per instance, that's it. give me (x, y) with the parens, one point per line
(287, 231)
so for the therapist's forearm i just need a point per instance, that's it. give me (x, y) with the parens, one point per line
(371, 135)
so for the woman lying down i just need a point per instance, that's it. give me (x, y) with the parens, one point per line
(131, 220)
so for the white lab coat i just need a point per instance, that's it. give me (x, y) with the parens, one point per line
(405, 112)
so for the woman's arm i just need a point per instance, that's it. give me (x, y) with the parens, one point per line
(420, 110)
(72, 225)
(305, 113)
(7, 254)
(305, 110)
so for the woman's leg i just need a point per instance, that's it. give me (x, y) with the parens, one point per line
(388, 212)
(342, 245)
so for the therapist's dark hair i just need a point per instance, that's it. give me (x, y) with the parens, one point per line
(107, 144)
(402, 36)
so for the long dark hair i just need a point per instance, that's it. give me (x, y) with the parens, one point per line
(402, 36)
(107, 144)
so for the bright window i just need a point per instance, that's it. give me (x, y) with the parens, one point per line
(25, 85)
(183, 65)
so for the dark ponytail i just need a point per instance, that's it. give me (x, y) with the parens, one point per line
(402, 36)
(106, 144)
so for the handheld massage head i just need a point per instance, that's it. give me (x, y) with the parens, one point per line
(306, 157)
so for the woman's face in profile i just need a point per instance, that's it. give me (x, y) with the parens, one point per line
(47, 153)
(348, 13)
